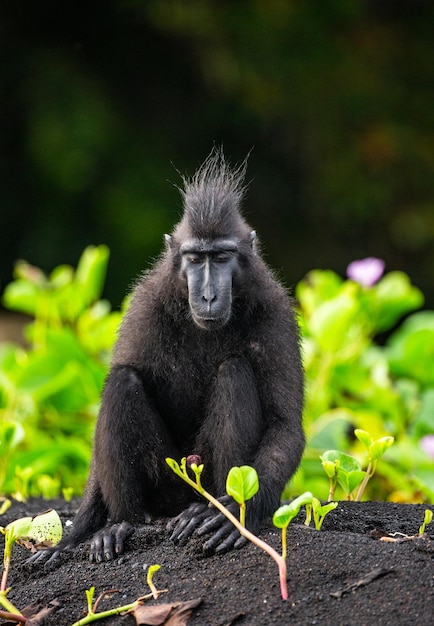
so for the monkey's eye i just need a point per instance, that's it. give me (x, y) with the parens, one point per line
(221, 257)
(195, 258)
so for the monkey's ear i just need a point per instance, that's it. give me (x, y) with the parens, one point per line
(168, 239)
(252, 240)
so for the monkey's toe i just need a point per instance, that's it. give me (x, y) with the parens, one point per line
(108, 543)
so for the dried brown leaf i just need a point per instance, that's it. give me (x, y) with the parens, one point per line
(176, 614)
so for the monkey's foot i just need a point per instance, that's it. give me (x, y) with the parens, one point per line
(108, 543)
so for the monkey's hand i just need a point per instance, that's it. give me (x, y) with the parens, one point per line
(202, 519)
(109, 542)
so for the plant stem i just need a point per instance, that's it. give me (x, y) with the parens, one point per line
(281, 564)
(372, 466)
(243, 514)
(5, 576)
(14, 617)
(93, 617)
(284, 531)
(6, 604)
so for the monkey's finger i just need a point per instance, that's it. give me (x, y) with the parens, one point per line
(187, 527)
(214, 523)
(95, 550)
(107, 547)
(45, 557)
(233, 540)
(185, 524)
(122, 532)
(241, 542)
(184, 517)
(221, 537)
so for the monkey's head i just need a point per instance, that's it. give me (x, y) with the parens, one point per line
(211, 244)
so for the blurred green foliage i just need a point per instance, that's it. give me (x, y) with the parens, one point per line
(353, 382)
(50, 390)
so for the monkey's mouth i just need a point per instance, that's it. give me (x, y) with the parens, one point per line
(209, 323)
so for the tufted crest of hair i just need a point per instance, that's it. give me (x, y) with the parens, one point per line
(212, 198)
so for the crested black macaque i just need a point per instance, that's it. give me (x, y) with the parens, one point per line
(207, 362)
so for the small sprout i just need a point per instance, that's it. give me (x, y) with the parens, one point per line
(426, 520)
(6, 503)
(346, 471)
(376, 449)
(45, 528)
(93, 615)
(242, 484)
(392, 537)
(319, 512)
(342, 469)
(67, 493)
(22, 479)
(89, 598)
(150, 575)
(181, 471)
(286, 513)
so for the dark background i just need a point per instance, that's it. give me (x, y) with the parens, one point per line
(102, 102)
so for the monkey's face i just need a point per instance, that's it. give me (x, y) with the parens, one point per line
(209, 268)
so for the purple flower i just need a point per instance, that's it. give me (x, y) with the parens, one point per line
(427, 445)
(367, 271)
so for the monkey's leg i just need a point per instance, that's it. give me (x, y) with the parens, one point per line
(230, 435)
(131, 444)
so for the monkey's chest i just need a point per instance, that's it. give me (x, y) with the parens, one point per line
(182, 383)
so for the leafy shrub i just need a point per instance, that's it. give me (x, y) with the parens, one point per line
(354, 382)
(50, 390)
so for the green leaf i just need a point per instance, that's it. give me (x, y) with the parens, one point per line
(242, 483)
(11, 434)
(394, 296)
(323, 509)
(19, 528)
(346, 462)
(379, 447)
(46, 528)
(21, 296)
(91, 272)
(330, 467)
(364, 437)
(174, 466)
(332, 319)
(286, 513)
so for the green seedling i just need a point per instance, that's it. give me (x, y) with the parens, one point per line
(242, 484)
(44, 529)
(346, 471)
(376, 449)
(67, 493)
(181, 471)
(319, 512)
(286, 513)
(392, 537)
(149, 580)
(5, 503)
(426, 520)
(92, 607)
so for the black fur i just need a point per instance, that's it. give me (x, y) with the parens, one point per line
(232, 395)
